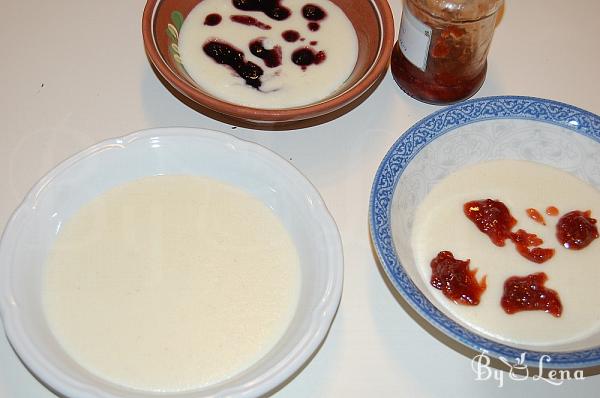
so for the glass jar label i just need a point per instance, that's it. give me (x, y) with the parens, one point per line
(414, 39)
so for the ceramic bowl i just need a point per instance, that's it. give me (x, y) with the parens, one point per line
(495, 128)
(373, 23)
(34, 226)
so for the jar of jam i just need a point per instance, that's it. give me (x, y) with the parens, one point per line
(441, 53)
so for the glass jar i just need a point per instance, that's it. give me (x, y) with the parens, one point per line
(441, 53)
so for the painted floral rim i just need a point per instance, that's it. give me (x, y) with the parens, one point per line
(172, 32)
(174, 76)
(395, 162)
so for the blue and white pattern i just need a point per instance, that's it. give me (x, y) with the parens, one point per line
(570, 124)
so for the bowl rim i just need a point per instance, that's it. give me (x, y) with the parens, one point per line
(385, 45)
(385, 183)
(321, 316)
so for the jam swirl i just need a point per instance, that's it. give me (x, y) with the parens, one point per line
(272, 57)
(528, 293)
(492, 217)
(535, 216)
(212, 19)
(576, 229)
(524, 240)
(226, 54)
(271, 8)
(456, 281)
(313, 26)
(250, 21)
(313, 12)
(290, 36)
(304, 57)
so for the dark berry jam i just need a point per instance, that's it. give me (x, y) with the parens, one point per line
(212, 19)
(290, 36)
(536, 216)
(313, 26)
(272, 8)
(528, 293)
(454, 278)
(313, 43)
(552, 211)
(250, 21)
(271, 57)
(313, 12)
(304, 57)
(576, 229)
(524, 241)
(225, 54)
(492, 217)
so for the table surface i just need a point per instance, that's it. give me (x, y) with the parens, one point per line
(74, 73)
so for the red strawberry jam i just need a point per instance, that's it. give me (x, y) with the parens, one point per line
(492, 217)
(576, 229)
(527, 293)
(536, 216)
(454, 278)
(524, 240)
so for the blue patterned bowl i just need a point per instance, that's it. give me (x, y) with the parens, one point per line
(507, 127)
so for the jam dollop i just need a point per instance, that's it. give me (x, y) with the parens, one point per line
(290, 35)
(271, 8)
(528, 293)
(492, 217)
(212, 19)
(524, 240)
(456, 281)
(313, 26)
(226, 54)
(250, 21)
(313, 12)
(576, 229)
(535, 216)
(271, 57)
(552, 211)
(304, 57)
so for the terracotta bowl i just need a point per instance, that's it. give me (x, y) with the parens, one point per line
(372, 20)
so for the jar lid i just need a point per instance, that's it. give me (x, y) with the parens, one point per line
(458, 10)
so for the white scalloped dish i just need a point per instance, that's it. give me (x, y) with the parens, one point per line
(32, 230)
